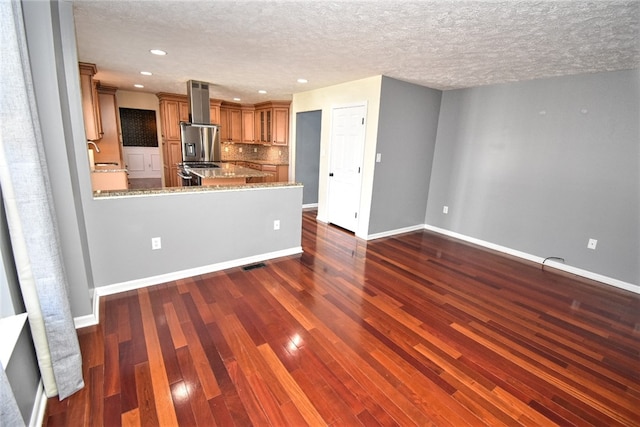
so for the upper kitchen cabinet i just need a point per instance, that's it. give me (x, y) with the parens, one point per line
(90, 102)
(248, 125)
(214, 110)
(281, 125)
(110, 147)
(230, 123)
(272, 123)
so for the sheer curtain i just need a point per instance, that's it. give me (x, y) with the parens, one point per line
(32, 224)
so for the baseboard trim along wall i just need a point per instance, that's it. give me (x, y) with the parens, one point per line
(396, 231)
(93, 319)
(539, 260)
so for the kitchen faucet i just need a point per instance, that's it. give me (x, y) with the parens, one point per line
(95, 145)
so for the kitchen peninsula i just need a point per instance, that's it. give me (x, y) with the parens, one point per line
(228, 174)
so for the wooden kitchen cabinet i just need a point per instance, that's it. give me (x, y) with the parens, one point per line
(173, 110)
(231, 124)
(272, 123)
(110, 146)
(277, 173)
(248, 125)
(263, 125)
(90, 102)
(280, 126)
(214, 110)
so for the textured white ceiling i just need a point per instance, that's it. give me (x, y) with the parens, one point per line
(243, 46)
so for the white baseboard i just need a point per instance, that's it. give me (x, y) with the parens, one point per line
(39, 407)
(93, 319)
(539, 260)
(394, 232)
(310, 206)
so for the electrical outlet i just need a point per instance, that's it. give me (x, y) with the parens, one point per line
(592, 244)
(378, 157)
(226, 149)
(445, 209)
(156, 243)
(276, 224)
(239, 149)
(255, 150)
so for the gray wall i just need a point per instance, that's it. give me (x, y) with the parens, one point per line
(542, 166)
(197, 230)
(49, 26)
(307, 170)
(24, 374)
(406, 138)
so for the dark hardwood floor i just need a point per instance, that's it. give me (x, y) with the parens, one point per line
(415, 329)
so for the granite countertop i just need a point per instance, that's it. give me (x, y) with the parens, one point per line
(262, 162)
(107, 194)
(227, 170)
(107, 170)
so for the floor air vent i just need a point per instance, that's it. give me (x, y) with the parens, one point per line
(253, 266)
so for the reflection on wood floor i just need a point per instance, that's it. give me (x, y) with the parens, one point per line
(409, 330)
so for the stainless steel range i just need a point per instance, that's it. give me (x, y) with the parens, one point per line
(200, 138)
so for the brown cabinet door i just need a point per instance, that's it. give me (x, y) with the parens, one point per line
(248, 126)
(235, 125)
(171, 118)
(184, 114)
(175, 157)
(224, 125)
(214, 115)
(280, 126)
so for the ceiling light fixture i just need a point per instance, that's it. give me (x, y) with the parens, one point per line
(262, 91)
(303, 81)
(138, 86)
(146, 73)
(158, 52)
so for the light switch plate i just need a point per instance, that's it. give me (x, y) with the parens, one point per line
(592, 244)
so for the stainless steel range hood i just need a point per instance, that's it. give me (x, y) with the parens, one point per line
(198, 98)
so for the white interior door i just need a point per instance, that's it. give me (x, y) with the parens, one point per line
(345, 171)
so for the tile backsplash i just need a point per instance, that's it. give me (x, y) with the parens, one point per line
(276, 154)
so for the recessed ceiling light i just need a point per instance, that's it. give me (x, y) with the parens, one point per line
(158, 52)
(146, 73)
(138, 86)
(303, 81)
(236, 99)
(262, 91)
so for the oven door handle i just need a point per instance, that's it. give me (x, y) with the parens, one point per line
(183, 176)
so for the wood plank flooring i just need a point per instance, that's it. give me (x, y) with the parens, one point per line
(415, 329)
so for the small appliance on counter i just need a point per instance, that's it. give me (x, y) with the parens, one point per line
(200, 139)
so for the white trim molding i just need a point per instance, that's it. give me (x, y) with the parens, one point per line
(39, 407)
(94, 319)
(394, 232)
(539, 260)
